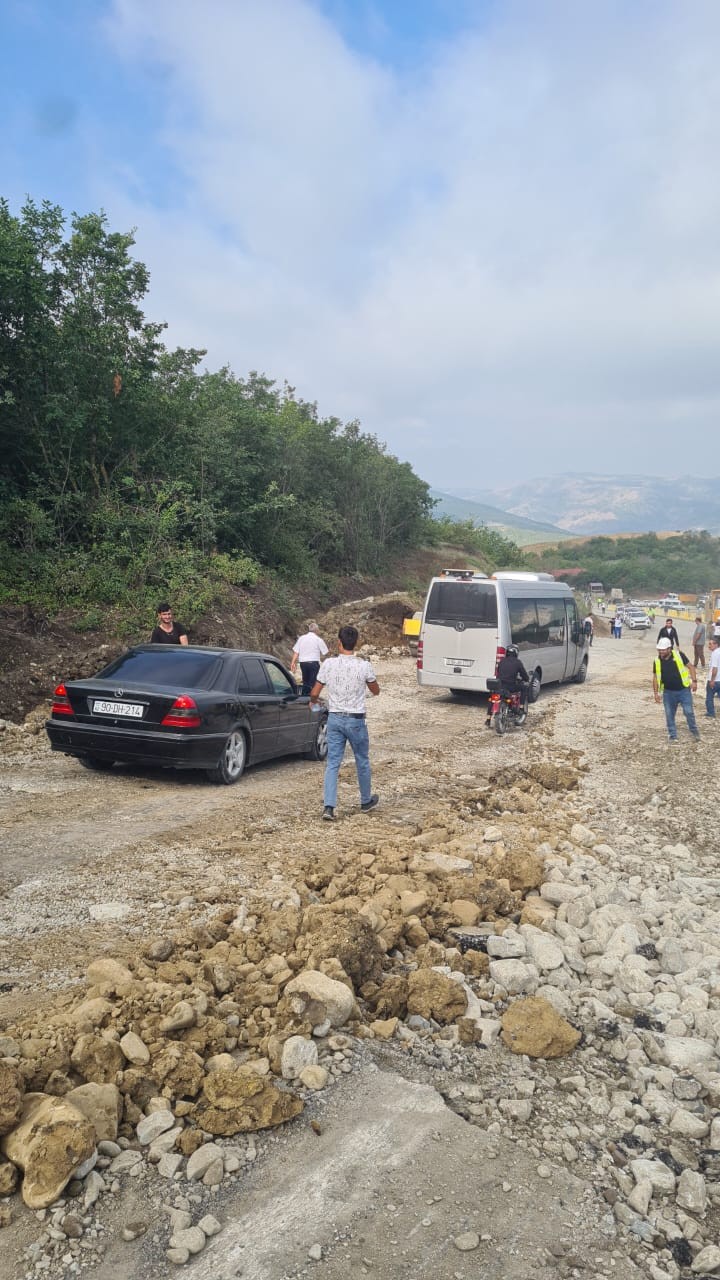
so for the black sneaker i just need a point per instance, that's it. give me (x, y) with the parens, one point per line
(370, 804)
(328, 814)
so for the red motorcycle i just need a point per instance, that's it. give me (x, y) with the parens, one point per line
(506, 710)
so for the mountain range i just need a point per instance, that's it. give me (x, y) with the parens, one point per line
(520, 529)
(580, 503)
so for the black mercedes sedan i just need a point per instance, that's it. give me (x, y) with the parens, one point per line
(186, 707)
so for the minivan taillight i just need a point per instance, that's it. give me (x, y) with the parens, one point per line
(419, 660)
(183, 714)
(499, 655)
(61, 703)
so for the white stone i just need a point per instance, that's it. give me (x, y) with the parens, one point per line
(544, 953)
(210, 1225)
(126, 1160)
(691, 1192)
(640, 1197)
(192, 1239)
(582, 835)
(506, 946)
(298, 1052)
(706, 1261)
(134, 1049)
(557, 892)
(150, 1127)
(109, 910)
(514, 976)
(714, 1142)
(688, 1124)
(201, 1160)
(169, 1163)
(661, 1178)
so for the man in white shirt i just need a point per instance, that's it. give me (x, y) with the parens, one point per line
(712, 688)
(347, 679)
(309, 650)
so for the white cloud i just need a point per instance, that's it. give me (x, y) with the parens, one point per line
(518, 237)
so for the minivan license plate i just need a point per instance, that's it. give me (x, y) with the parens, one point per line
(134, 709)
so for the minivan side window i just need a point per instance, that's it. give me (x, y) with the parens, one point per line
(474, 603)
(523, 623)
(551, 622)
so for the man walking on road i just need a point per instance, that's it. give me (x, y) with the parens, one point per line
(309, 650)
(698, 643)
(347, 679)
(668, 632)
(712, 688)
(674, 682)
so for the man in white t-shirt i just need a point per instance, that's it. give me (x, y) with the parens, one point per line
(309, 650)
(347, 679)
(712, 688)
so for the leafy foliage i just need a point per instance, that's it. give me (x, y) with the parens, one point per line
(688, 562)
(481, 542)
(129, 472)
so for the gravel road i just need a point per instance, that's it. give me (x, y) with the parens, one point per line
(94, 864)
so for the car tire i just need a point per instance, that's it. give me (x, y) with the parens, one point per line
(231, 765)
(319, 748)
(581, 675)
(98, 764)
(534, 687)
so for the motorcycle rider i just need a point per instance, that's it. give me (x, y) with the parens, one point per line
(511, 673)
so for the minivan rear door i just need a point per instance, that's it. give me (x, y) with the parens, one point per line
(460, 629)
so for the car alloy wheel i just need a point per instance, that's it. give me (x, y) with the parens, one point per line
(232, 761)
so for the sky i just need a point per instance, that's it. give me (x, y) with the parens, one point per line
(487, 229)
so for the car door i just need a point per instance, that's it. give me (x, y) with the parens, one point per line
(293, 711)
(260, 704)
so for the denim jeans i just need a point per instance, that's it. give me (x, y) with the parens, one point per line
(710, 696)
(341, 730)
(672, 699)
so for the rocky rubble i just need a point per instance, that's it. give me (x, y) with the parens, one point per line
(512, 949)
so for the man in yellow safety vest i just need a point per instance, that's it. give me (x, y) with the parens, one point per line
(674, 682)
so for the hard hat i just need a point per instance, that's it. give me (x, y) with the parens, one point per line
(664, 643)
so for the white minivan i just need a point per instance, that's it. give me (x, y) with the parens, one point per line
(469, 619)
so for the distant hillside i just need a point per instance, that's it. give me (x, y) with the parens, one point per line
(611, 504)
(518, 528)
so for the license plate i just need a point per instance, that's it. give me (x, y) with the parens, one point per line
(458, 662)
(133, 709)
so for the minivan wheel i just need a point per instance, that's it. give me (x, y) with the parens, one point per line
(581, 676)
(230, 766)
(534, 687)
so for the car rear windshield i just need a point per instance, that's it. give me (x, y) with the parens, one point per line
(172, 665)
(474, 603)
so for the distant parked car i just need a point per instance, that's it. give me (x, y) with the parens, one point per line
(637, 618)
(186, 707)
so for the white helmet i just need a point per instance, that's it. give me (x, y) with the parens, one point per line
(664, 643)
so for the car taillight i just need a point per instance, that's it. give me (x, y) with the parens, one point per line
(183, 714)
(61, 702)
(419, 660)
(499, 655)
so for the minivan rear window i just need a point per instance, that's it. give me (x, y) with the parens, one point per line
(474, 603)
(172, 665)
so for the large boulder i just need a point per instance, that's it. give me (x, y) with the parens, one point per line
(101, 1104)
(435, 995)
(51, 1141)
(535, 1028)
(233, 1102)
(97, 1059)
(178, 1070)
(318, 998)
(347, 936)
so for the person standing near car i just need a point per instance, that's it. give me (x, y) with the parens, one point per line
(309, 650)
(712, 687)
(698, 642)
(674, 682)
(668, 632)
(168, 631)
(347, 679)
(588, 628)
(617, 625)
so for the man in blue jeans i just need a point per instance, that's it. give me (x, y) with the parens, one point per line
(674, 682)
(347, 679)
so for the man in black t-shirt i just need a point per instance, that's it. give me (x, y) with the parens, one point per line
(167, 630)
(668, 632)
(674, 682)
